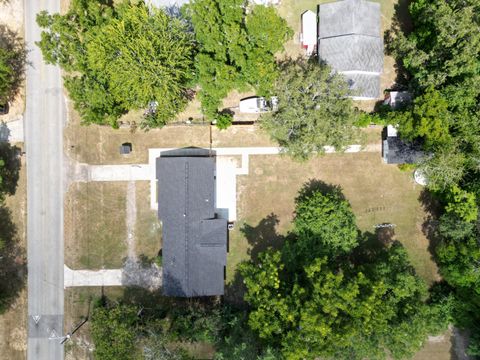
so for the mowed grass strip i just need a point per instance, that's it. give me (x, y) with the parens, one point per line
(378, 193)
(148, 231)
(95, 228)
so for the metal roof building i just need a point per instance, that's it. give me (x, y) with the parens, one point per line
(349, 40)
(194, 241)
(397, 151)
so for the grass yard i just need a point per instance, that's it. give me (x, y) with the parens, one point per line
(95, 229)
(95, 144)
(378, 193)
(148, 231)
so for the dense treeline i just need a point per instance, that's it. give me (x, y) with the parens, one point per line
(441, 57)
(12, 264)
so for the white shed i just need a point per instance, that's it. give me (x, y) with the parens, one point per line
(308, 35)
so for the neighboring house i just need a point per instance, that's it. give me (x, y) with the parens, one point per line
(397, 151)
(308, 35)
(194, 241)
(398, 99)
(350, 40)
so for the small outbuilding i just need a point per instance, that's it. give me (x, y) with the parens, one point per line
(126, 148)
(397, 151)
(308, 35)
(398, 99)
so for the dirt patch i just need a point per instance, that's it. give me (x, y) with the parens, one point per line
(438, 348)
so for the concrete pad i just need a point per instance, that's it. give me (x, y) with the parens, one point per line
(12, 131)
(92, 278)
(226, 188)
(120, 172)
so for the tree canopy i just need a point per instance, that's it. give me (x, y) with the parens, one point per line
(120, 58)
(361, 301)
(12, 64)
(441, 56)
(236, 48)
(314, 110)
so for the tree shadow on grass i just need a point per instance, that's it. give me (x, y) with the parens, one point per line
(401, 23)
(10, 172)
(15, 59)
(13, 267)
(260, 238)
(431, 206)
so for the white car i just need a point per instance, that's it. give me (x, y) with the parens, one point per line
(258, 104)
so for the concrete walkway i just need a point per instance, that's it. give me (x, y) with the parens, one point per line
(119, 172)
(12, 131)
(132, 274)
(92, 278)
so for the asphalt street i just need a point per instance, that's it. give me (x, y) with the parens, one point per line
(44, 121)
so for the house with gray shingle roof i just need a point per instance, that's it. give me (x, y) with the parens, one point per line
(349, 40)
(194, 239)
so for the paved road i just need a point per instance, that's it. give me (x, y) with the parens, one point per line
(44, 120)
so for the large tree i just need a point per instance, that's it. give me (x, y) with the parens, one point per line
(314, 110)
(359, 302)
(12, 64)
(444, 46)
(120, 58)
(236, 48)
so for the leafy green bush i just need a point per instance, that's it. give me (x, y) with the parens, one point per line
(223, 120)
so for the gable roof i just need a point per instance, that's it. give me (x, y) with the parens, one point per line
(349, 17)
(349, 40)
(194, 245)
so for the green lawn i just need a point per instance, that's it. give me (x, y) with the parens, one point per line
(148, 232)
(95, 228)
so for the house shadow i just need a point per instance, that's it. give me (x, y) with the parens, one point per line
(260, 238)
(431, 206)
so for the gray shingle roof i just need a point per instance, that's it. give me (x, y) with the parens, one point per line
(349, 40)
(349, 17)
(353, 53)
(363, 85)
(194, 242)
